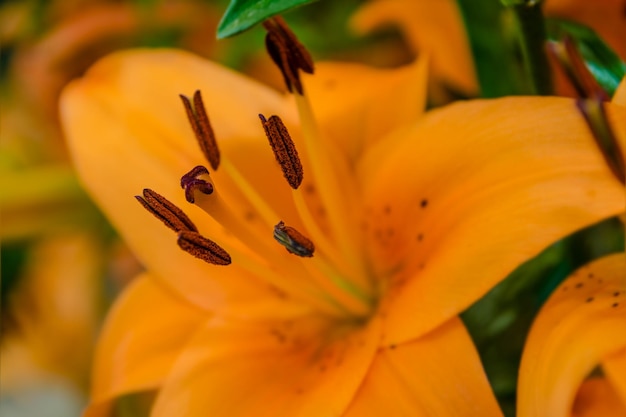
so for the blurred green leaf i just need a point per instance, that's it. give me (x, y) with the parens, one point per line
(490, 27)
(604, 64)
(243, 14)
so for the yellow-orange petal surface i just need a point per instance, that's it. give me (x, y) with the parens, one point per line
(142, 337)
(291, 367)
(438, 375)
(474, 190)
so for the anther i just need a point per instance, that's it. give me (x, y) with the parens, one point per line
(294, 241)
(284, 150)
(571, 61)
(191, 183)
(595, 115)
(287, 52)
(199, 120)
(203, 248)
(166, 211)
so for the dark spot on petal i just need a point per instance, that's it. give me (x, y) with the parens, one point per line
(590, 276)
(616, 294)
(420, 237)
(614, 304)
(588, 300)
(387, 209)
(579, 285)
(392, 346)
(424, 203)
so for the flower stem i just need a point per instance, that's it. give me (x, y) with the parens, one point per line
(532, 35)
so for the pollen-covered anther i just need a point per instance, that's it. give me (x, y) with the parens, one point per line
(284, 150)
(287, 52)
(192, 184)
(166, 211)
(199, 120)
(294, 241)
(203, 248)
(598, 122)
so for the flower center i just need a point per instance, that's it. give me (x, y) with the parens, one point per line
(320, 261)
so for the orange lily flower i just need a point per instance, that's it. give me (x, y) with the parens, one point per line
(434, 27)
(582, 325)
(413, 217)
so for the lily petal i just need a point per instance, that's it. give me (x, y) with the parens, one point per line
(614, 367)
(439, 374)
(530, 175)
(138, 357)
(125, 134)
(620, 94)
(357, 117)
(583, 322)
(434, 27)
(282, 368)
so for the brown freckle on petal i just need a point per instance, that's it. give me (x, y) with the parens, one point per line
(579, 285)
(615, 305)
(588, 300)
(392, 346)
(590, 276)
(387, 209)
(424, 203)
(616, 294)
(420, 237)
(284, 150)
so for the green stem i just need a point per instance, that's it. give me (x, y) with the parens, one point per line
(532, 34)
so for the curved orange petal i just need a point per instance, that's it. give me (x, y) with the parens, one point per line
(474, 190)
(127, 130)
(614, 367)
(439, 374)
(142, 337)
(356, 117)
(620, 94)
(582, 323)
(434, 27)
(597, 398)
(298, 367)
(606, 17)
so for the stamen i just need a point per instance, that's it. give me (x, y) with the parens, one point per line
(191, 183)
(203, 248)
(287, 52)
(294, 241)
(164, 210)
(284, 150)
(201, 126)
(595, 115)
(568, 56)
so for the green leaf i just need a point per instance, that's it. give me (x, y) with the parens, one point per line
(604, 64)
(243, 14)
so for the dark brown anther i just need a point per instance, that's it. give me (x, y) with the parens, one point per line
(191, 183)
(595, 115)
(568, 56)
(203, 248)
(166, 211)
(201, 126)
(287, 52)
(284, 150)
(294, 241)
